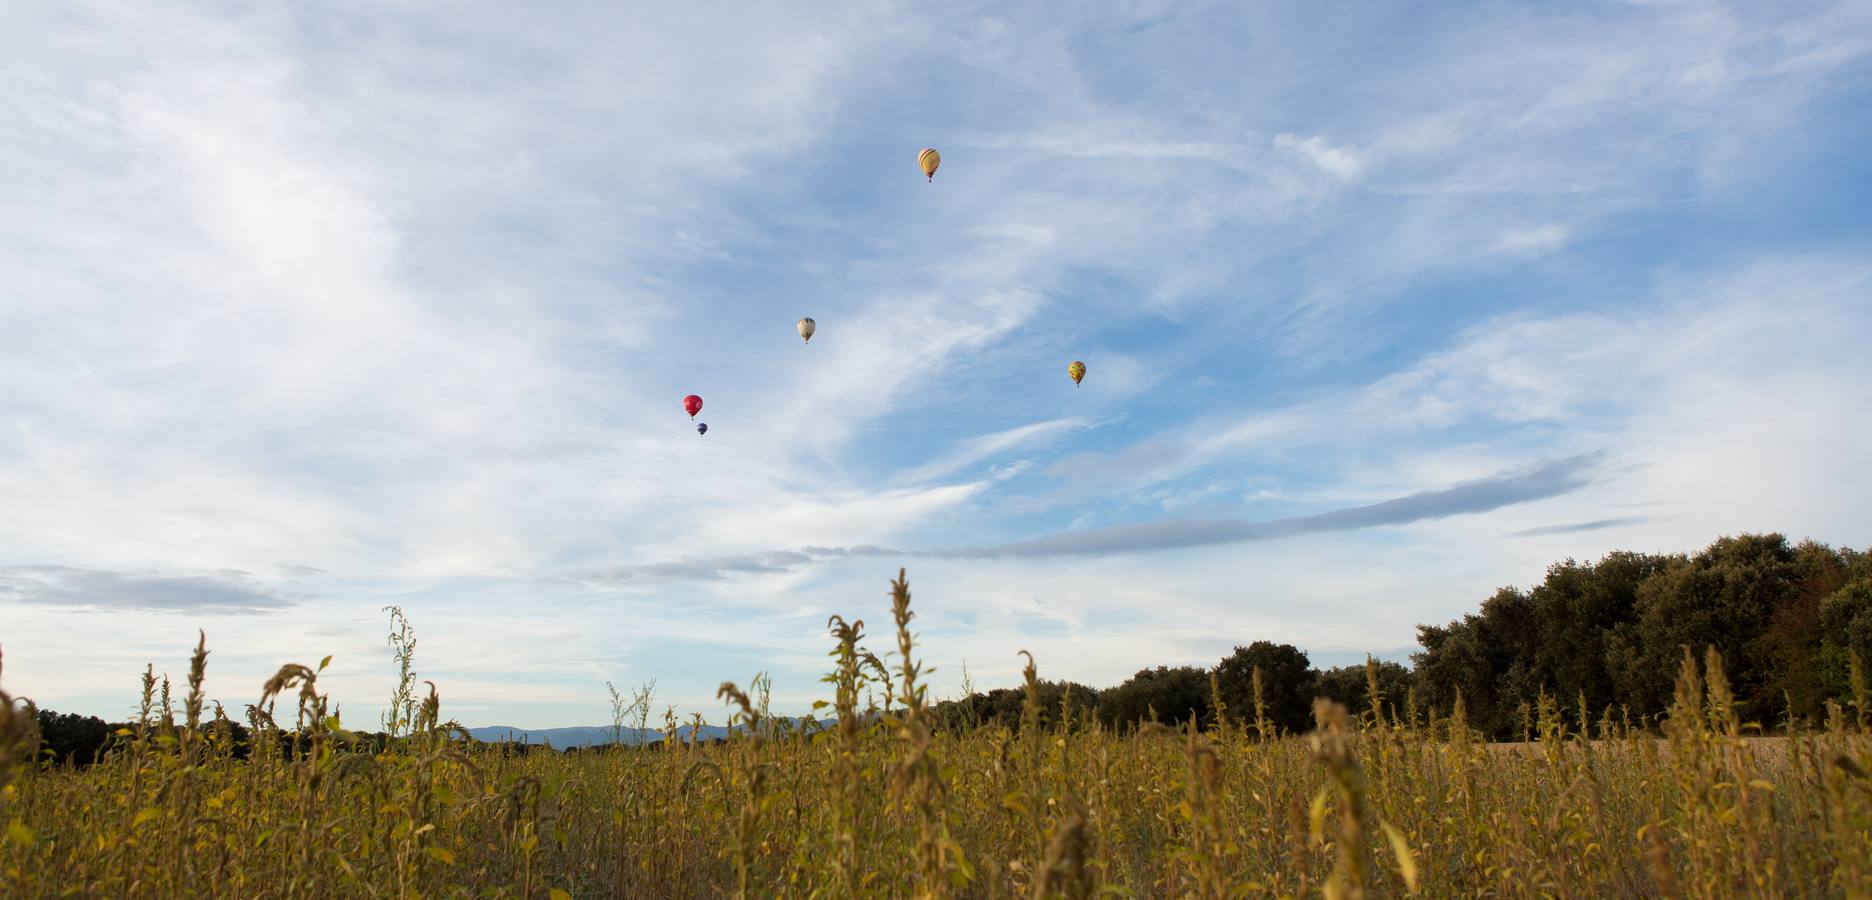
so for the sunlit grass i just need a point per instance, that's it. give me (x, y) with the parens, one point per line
(1384, 800)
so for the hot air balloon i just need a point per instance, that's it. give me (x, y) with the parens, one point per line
(701, 428)
(806, 328)
(1077, 371)
(929, 159)
(693, 404)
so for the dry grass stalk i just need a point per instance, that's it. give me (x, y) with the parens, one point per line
(887, 804)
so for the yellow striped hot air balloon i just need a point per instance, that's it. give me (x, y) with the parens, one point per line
(1077, 371)
(929, 159)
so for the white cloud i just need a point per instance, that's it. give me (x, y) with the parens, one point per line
(398, 308)
(1342, 163)
(988, 446)
(63, 586)
(1536, 241)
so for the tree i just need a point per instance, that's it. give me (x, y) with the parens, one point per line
(1173, 694)
(70, 737)
(1846, 626)
(1785, 618)
(1286, 684)
(1476, 657)
(1575, 611)
(1349, 685)
(1792, 647)
(1003, 706)
(1724, 597)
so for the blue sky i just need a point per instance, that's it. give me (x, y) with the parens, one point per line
(307, 312)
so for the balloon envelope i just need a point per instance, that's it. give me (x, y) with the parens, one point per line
(929, 159)
(1077, 371)
(693, 404)
(701, 428)
(806, 329)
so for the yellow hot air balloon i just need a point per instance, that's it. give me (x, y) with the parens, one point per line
(806, 328)
(929, 159)
(1077, 371)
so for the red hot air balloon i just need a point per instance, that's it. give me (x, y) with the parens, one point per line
(693, 404)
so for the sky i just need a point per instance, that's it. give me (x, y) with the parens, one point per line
(310, 311)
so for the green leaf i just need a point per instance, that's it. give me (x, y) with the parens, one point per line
(324, 662)
(557, 894)
(144, 815)
(441, 855)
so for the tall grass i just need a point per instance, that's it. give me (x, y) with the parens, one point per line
(1385, 799)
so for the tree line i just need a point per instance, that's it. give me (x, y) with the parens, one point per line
(1601, 636)
(1604, 636)
(80, 740)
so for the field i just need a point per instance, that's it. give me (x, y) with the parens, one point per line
(1387, 800)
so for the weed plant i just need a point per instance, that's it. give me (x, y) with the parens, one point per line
(1387, 799)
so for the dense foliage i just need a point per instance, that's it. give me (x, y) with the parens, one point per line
(1606, 635)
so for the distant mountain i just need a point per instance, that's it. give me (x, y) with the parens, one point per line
(593, 735)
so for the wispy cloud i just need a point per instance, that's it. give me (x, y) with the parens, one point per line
(1104, 472)
(413, 310)
(1481, 495)
(1340, 162)
(1092, 144)
(1577, 527)
(228, 591)
(1532, 241)
(988, 446)
(719, 567)
(1538, 482)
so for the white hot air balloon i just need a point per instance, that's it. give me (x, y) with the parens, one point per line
(806, 329)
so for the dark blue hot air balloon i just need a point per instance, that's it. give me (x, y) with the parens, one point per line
(701, 428)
